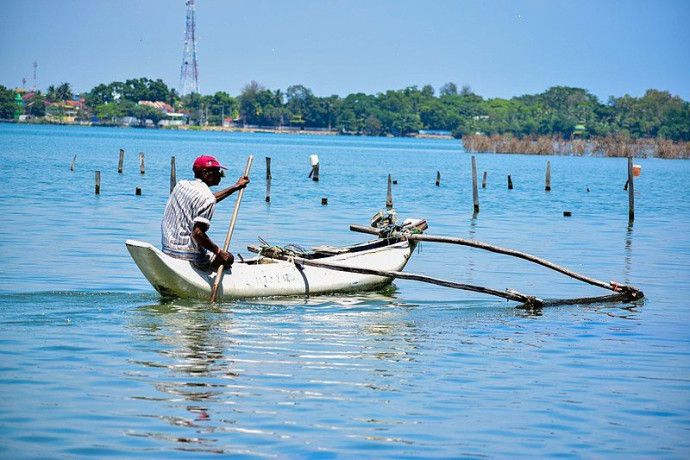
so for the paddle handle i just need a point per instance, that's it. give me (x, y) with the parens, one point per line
(231, 229)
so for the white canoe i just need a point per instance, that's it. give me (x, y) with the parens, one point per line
(263, 277)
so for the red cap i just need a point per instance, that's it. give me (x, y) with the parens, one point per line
(206, 161)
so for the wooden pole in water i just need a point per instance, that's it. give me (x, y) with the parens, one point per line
(74, 160)
(268, 179)
(510, 183)
(631, 192)
(141, 163)
(173, 174)
(484, 180)
(315, 176)
(231, 229)
(475, 192)
(98, 182)
(121, 162)
(548, 176)
(137, 191)
(389, 196)
(438, 178)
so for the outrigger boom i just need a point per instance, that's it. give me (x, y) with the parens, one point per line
(623, 292)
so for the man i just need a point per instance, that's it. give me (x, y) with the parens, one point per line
(188, 215)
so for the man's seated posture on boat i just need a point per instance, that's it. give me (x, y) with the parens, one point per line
(188, 215)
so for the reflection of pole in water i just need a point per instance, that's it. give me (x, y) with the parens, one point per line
(470, 258)
(627, 267)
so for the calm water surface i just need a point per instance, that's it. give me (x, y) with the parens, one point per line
(94, 364)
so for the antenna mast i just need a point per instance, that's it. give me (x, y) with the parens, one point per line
(35, 76)
(189, 73)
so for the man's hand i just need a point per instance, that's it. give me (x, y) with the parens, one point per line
(226, 192)
(242, 182)
(224, 258)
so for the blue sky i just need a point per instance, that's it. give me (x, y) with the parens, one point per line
(500, 48)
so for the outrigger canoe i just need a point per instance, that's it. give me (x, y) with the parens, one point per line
(265, 276)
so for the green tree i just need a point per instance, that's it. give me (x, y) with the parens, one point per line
(59, 93)
(35, 106)
(109, 112)
(144, 89)
(449, 89)
(145, 112)
(221, 105)
(298, 101)
(260, 106)
(8, 106)
(354, 111)
(656, 114)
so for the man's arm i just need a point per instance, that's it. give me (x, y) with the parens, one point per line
(205, 242)
(239, 185)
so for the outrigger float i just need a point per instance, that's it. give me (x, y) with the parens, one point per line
(293, 271)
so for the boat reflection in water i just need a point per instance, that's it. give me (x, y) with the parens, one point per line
(265, 371)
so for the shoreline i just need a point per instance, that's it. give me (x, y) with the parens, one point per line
(228, 129)
(617, 145)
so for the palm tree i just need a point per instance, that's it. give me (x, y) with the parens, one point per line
(61, 93)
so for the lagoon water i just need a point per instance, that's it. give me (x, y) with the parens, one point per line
(94, 364)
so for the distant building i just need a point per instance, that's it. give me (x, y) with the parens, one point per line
(171, 117)
(162, 106)
(174, 119)
(434, 132)
(65, 111)
(230, 122)
(131, 121)
(20, 106)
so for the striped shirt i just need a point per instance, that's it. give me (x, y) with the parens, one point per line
(190, 202)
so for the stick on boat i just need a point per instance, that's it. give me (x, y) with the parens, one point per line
(510, 294)
(219, 275)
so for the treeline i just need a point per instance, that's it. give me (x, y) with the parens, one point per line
(559, 112)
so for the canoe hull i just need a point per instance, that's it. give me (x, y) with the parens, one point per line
(268, 278)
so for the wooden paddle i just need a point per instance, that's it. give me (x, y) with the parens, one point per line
(219, 275)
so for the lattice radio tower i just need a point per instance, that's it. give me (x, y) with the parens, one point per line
(189, 73)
